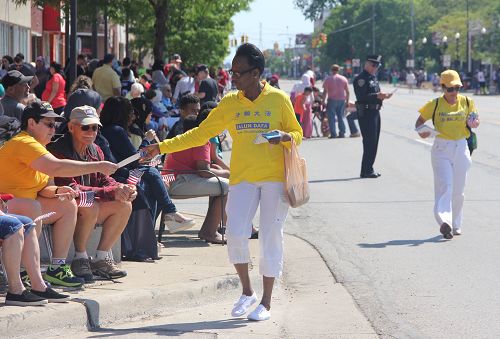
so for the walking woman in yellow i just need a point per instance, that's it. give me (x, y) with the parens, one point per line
(257, 170)
(453, 116)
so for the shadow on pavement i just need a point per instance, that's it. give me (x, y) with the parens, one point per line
(409, 242)
(172, 330)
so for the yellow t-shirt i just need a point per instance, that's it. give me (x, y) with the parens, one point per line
(16, 175)
(244, 119)
(105, 79)
(449, 120)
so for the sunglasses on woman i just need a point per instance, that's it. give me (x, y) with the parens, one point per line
(452, 89)
(86, 128)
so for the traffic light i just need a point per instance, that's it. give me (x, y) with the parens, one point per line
(323, 38)
(246, 38)
(242, 39)
(235, 42)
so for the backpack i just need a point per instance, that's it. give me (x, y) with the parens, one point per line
(472, 139)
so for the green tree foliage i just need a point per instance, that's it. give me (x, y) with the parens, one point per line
(433, 20)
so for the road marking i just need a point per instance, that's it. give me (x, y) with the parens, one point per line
(423, 142)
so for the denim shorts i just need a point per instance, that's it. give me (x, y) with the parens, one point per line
(11, 223)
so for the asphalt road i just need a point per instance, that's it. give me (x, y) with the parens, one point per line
(379, 236)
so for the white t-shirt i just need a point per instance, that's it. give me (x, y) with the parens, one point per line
(480, 76)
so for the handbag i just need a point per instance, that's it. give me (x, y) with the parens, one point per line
(296, 184)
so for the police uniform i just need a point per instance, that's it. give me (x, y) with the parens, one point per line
(368, 106)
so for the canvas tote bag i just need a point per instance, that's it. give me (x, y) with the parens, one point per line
(296, 185)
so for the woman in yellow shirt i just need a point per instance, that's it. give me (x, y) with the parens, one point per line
(257, 170)
(27, 172)
(452, 115)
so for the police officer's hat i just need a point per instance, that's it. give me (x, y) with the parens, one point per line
(374, 58)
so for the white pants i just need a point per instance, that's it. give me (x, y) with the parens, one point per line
(241, 206)
(450, 162)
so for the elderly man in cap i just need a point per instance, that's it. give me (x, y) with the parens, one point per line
(17, 88)
(369, 99)
(113, 203)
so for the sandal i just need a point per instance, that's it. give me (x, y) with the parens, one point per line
(217, 239)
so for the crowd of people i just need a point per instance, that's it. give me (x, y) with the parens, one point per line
(61, 143)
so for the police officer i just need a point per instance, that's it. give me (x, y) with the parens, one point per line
(368, 103)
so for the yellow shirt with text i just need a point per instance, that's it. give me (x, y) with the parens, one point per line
(16, 175)
(449, 120)
(245, 119)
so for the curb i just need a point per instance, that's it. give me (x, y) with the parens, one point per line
(89, 314)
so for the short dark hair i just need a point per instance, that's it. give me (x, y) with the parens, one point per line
(157, 65)
(126, 61)
(108, 58)
(116, 111)
(25, 117)
(187, 100)
(20, 56)
(203, 115)
(81, 57)
(8, 58)
(189, 122)
(254, 56)
(308, 89)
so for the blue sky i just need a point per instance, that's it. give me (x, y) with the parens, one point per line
(280, 22)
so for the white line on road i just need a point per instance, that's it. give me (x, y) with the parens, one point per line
(423, 142)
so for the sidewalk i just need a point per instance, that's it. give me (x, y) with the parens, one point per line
(190, 292)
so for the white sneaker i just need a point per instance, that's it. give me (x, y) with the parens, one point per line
(259, 314)
(457, 231)
(243, 304)
(177, 222)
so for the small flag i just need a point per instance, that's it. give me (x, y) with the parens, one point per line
(155, 161)
(168, 178)
(43, 217)
(134, 176)
(85, 199)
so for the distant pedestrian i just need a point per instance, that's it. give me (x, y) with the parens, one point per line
(303, 110)
(369, 100)
(452, 115)
(336, 96)
(106, 81)
(410, 81)
(54, 92)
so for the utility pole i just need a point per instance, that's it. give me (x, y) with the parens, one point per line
(412, 16)
(373, 26)
(106, 28)
(72, 50)
(469, 63)
(260, 36)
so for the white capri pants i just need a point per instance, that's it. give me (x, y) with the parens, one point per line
(241, 206)
(450, 162)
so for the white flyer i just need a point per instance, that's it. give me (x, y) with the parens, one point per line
(130, 159)
(426, 128)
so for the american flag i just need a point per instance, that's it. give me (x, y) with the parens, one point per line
(155, 161)
(168, 178)
(85, 199)
(134, 176)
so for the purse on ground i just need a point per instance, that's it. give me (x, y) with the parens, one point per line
(296, 184)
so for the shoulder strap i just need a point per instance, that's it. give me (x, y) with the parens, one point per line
(434, 111)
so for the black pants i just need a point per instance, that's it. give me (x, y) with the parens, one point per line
(369, 123)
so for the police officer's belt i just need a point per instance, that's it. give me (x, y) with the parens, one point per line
(368, 106)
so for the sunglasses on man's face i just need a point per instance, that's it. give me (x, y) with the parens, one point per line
(49, 125)
(86, 128)
(452, 89)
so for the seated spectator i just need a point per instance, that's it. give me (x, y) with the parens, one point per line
(158, 77)
(80, 94)
(126, 82)
(114, 118)
(208, 89)
(112, 206)
(189, 105)
(145, 81)
(20, 245)
(140, 124)
(136, 90)
(198, 158)
(27, 168)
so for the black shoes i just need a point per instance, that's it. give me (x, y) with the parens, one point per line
(446, 231)
(372, 175)
(51, 295)
(26, 298)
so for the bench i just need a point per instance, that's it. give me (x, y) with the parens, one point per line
(221, 194)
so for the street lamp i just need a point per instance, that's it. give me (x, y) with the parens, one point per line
(457, 59)
(445, 46)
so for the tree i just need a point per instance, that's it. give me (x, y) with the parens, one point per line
(313, 9)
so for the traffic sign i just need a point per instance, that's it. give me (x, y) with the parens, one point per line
(356, 63)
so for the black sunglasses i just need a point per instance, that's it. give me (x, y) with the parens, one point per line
(49, 124)
(85, 128)
(239, 74)
(452, 89)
